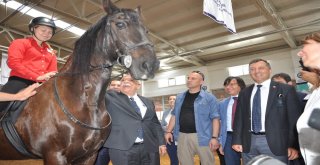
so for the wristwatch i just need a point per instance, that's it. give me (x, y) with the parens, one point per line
(214, 137)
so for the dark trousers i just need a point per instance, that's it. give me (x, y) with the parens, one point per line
(103, 157)
(14, 85)
(136, 155)
(231, 157)
(172, 152)
(221, 157)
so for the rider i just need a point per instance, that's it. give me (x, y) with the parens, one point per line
(31, 59)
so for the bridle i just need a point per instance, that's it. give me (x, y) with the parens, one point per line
(123, 59)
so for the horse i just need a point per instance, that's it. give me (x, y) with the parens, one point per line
(66, 122)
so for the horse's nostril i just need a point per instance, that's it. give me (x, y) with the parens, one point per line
(151, 66)
(145, 66)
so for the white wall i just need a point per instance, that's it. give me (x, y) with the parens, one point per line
(216, 72)
(5, 70)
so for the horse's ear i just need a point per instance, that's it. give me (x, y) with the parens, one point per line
(109, 7)
(138, 10)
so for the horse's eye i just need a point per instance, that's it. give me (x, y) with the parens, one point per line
(120, 25)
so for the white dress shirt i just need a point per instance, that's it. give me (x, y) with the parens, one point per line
(143, 110)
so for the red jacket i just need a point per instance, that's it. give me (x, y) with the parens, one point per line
(28, 60)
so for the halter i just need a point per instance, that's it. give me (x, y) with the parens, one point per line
(123, 59)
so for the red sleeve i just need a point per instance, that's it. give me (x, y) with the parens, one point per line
(16, 54)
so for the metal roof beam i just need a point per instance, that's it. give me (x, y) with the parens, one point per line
(178, 50)
(188, 53)
(269, 11)
(13, 13)
(71, 2)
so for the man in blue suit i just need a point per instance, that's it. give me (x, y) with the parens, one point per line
(227, 107)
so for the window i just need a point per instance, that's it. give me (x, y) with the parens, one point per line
(238, 70)
(172, 82)
(179, 80)
(163, 83)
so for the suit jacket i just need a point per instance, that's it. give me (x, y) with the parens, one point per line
(223, 108)
(126, 121)
(282, 112)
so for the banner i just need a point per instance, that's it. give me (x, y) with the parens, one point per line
(5, 70)
(221, 12)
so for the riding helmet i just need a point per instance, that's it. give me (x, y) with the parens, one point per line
(42, 21)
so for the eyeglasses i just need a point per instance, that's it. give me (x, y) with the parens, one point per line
(201, 74)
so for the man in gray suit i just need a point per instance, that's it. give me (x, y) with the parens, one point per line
(136, 136)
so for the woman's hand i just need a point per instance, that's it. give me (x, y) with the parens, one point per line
(46, 76)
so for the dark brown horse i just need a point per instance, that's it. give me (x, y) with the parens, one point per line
(66, 121)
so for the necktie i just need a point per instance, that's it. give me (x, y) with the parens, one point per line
(137, 109)
(135, 105)
(256, 111)
(234, 108)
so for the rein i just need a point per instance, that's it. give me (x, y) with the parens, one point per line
(92, 68)
(70, 115)
(100, 67)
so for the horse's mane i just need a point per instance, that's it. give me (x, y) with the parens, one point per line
(84, 48)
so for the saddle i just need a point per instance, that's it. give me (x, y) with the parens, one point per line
(8, 118)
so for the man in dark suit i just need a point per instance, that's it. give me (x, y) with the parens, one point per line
(136, 136)
(266, 116)
(286, 79)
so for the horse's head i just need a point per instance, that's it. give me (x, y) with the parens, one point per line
(134, 48)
